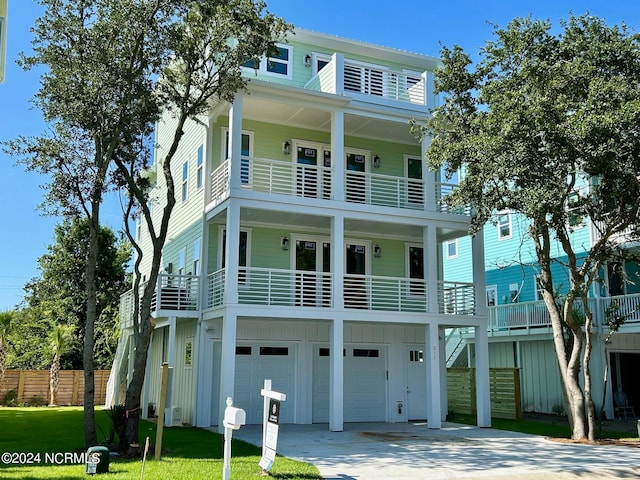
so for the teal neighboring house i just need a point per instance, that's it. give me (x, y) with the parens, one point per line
(306, 248)
(518, 323)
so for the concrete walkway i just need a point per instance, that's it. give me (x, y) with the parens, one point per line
(385, 451)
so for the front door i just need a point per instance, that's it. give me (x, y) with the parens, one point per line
(356, 188)
(415, 193)
(313, 263)
(355, 283)
(416, 383)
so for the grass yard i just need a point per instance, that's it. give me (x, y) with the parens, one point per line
(188, 453)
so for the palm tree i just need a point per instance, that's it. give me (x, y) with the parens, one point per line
(60, 341)
(6, 321)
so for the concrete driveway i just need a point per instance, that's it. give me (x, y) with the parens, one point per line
(372, 451)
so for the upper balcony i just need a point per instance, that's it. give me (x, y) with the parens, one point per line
(314, 181)
(371, 83)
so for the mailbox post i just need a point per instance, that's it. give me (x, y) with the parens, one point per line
(234, 418)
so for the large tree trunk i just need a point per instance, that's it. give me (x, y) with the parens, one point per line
(90, 436)
(54, 379)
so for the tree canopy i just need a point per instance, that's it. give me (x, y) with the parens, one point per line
(548, 126)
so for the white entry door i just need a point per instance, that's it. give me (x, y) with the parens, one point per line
(416, 383)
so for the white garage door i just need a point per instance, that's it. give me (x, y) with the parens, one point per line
(365, 384)
(254, 364)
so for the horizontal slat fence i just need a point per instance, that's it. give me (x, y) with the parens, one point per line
(504, 384)
(31, 387)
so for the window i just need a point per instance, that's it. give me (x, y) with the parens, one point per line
(416, 356)
(200, 168)
(196, 257)
(415, 260)
(538, 287)
(514, 292)
(278, 65)
(573, 207)
(182, 256)
(452, 249)
(188, 353)
(246, 151)
(242, 254)
(279, 351)
(319, 62)
(185, 181)
(365, 352)
(504, 226)
(492, 295)
(242, 350)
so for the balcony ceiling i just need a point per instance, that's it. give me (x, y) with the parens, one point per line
(300, 116)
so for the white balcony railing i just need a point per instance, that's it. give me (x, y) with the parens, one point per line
(456, 298)
(312, 181)
(525, 316)
(298, 288)
(172, 292)
(372, 81)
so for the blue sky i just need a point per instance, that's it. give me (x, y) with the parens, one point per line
(421, 27)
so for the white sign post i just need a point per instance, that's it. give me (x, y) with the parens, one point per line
(270, 426)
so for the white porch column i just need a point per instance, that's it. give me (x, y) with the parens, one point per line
(432, 356)
(336, 376)
(428, 178)
(430, 261)
(480, 288)
(337, 260)
(337, 155)
(235, 143)
(204, 377)
(483, 395)
(227, 364)
(444, 398)
(232, 252)
(171, 360)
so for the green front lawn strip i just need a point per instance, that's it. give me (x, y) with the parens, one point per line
(546, 429)
(188, 453)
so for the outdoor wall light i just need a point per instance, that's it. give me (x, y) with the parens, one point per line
(284, 242)
(377, 251)
(376, 161)
(286, 148)
(307, 60)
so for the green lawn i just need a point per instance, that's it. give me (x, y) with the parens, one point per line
(188, 453)
(547, 429)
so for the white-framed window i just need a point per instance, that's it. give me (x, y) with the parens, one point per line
(182, 260)
(319, 62)
(538, 287)
(196, 257)
(504, 225)
(279, 64)
(576, 220)
(415, 269)
(452, 249)
(514, 292)
(188, 353)
(185, 181)
(492, 295)
(244, 252)
(200, 167)
(246, 152)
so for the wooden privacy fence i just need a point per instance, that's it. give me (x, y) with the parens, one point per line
(504, 391)
(32, 387)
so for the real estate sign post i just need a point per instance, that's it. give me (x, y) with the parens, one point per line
(270, 425)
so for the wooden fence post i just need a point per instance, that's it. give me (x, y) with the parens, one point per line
(21, 386)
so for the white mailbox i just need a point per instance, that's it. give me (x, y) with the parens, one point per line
(234, 417)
